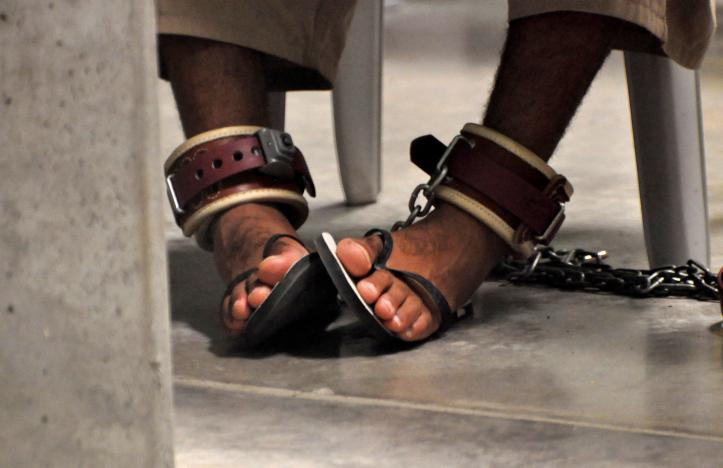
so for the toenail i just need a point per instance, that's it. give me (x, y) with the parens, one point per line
(363, 251)
(396, 321)
(370, 288)
(408, 333)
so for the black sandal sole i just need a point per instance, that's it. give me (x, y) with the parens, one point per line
(305, 297)
(346, 287)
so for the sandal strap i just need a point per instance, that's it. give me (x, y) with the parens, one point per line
(424, 288)
(430, 295)
(236, 281)
(266, 252)
(387, 246)
(246, 274)
(273, 239)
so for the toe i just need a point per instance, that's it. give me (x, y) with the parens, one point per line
(372, 287)
(356, 256)
(234, 317)
(422, 328)
(258, 295)
(387, 305)
(240, 309)
(407, 314)
(272, 269)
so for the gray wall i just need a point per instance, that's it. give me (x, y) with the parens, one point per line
(84, 347)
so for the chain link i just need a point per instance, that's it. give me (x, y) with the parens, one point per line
(585, 270)
(417, 210)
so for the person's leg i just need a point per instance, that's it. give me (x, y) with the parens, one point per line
(547, 66)
(218, 85)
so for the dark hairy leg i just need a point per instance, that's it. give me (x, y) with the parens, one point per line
(219, 85)
(215, 84)
(547, 65)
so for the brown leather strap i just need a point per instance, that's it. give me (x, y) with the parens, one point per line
(512, 192)
(201, 175)
(208, 164)
(519, 194)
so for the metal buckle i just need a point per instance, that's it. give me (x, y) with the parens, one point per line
(452, 144)
(279, 151)
(171, 192)
(554, 225)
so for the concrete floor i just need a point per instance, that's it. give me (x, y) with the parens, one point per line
(537, 377)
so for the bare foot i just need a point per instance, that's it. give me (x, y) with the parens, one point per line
(449, 247)
(239, 240)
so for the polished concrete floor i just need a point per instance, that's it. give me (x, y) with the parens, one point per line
(536, 377)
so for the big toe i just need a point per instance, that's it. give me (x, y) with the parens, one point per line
(272, 269)
(355, 255)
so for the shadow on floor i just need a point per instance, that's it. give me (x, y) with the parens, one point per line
(195, 294)
(196, 291)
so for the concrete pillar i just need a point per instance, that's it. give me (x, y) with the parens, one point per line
(84, 336)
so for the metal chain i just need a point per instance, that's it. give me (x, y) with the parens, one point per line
(584, 270)
(417, 210)
(577, 269)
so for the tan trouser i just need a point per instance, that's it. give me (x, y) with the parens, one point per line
(685, 27)
(303, 39)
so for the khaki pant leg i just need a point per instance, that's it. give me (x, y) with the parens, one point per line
(302, 39)
(684, 27)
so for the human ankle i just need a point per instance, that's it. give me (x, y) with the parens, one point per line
(479, 233)
(240, 234)
(259, 214)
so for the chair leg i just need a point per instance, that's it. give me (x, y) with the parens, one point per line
(667, 128)
(357, 105)
(277, 110)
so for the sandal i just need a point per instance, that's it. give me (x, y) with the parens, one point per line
(217, 170)
(513, 192)
(305, 298)
(346, 286)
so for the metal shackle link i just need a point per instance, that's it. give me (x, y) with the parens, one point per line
(428, 190)
(580, 269)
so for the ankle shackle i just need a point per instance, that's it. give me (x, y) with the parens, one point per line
(516, 194)
(216, 170)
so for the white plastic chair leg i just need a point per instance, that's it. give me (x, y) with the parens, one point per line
(277, 110)
(357, 105)
(667, 127)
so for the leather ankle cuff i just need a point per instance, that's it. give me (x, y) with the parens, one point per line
(217, 170)
(515, 193)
